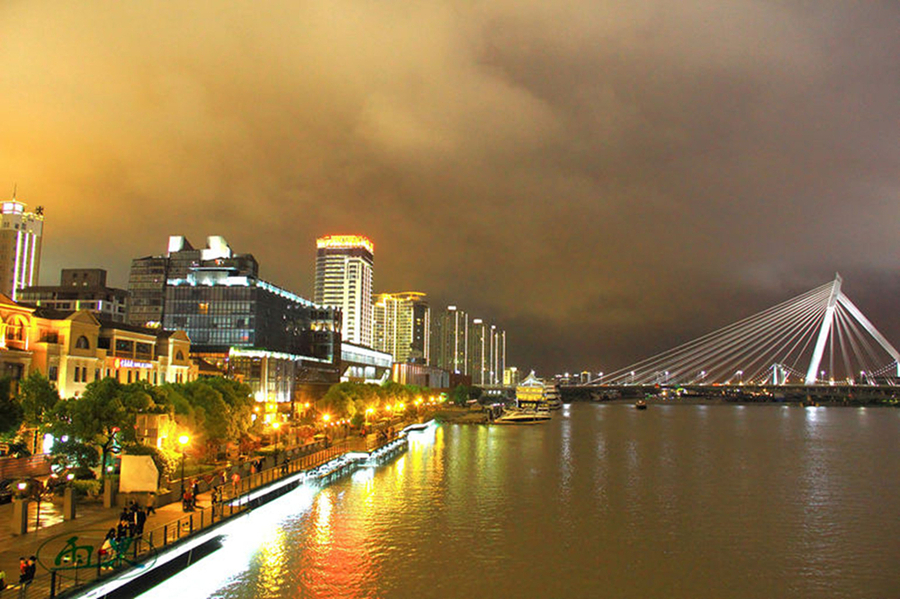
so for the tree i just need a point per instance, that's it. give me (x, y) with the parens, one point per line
(10, 410)
(37, 398)
(102, 417)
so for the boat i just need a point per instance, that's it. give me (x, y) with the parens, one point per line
(551, 396)
(640, 404)
(523, 416)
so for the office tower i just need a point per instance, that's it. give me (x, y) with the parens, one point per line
(450, 340)
(20, 247)
(80, 289)
(148, 276)
(402, 326)
(344, 266)
(479, 351)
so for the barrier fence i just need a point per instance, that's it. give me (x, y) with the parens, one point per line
(82, 564)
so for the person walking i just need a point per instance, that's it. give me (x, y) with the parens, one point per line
(140, 518)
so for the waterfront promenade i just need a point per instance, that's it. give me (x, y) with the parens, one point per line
(167, 525)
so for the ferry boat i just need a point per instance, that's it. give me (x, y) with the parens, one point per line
(551, 396)
(524, 416)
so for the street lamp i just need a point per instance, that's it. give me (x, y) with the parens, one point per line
(183, 440)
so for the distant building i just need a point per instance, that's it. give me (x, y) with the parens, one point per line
(364, 365)
(420, 375)
(450, 340)
(510, 376)
(275, 341)
(80, 289)
(20, 247)
(73, 349)
(344, 276)
(148, 276)
(403, 326)
(487, 353)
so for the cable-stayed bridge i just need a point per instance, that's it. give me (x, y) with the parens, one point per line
(815, 339)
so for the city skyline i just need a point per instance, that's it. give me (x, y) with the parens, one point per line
(604, 181)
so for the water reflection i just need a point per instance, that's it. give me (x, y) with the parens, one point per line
(719, 501)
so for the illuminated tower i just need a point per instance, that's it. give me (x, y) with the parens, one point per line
(20, 247)
(344, 280)
(403, 326)
(450, 341)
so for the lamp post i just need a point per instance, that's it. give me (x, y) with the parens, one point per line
(183, 440)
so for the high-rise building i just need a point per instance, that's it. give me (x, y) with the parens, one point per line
(479, 350)
(20, 247)
(450, 340)
(344, 265)
(147, 280)
(403, 326)
(487, 353)
(80, 289)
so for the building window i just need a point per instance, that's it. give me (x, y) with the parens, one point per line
(83, 343)
(97, 374)
(179, 356)
(129, 377)
(53, 373)
(84, 374)
(77, 373)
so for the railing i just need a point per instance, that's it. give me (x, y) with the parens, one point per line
(90, 566)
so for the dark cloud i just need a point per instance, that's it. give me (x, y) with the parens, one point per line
(602, 178)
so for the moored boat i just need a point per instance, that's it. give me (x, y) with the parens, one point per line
(519, 416)
(640, 404)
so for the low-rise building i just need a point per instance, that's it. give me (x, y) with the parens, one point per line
(73, 349)
(80, 289)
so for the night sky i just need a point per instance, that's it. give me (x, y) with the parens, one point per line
(602, 179)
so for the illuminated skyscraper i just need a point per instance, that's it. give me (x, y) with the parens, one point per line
(450, 341)
(344, 266)
(403, 326)
(20, 247)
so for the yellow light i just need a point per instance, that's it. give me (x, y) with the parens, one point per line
(306, 405)
(369, 410)
(326, 417)
(276, 425)
(345, 242)
(22, 486)
(184, 439)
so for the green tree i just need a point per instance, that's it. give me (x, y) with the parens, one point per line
(37, 398)
(10, 411)
(102, 417)
(460, 395)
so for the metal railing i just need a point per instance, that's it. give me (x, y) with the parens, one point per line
(87, 565)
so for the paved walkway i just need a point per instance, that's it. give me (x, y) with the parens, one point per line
(169, 523)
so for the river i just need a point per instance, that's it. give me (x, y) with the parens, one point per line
(717, 501)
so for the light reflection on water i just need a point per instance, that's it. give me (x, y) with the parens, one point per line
(676, 501)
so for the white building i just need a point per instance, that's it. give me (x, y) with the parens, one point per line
(20, 247)
(344, 265)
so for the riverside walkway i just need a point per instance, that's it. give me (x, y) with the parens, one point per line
(67, 551)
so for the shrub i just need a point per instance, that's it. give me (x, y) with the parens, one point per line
(87, 488)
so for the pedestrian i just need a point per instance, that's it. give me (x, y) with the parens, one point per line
(106, 548)
(2, 579)
(30, 569)
(140, 517)
(121, 529)
(195, 492)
